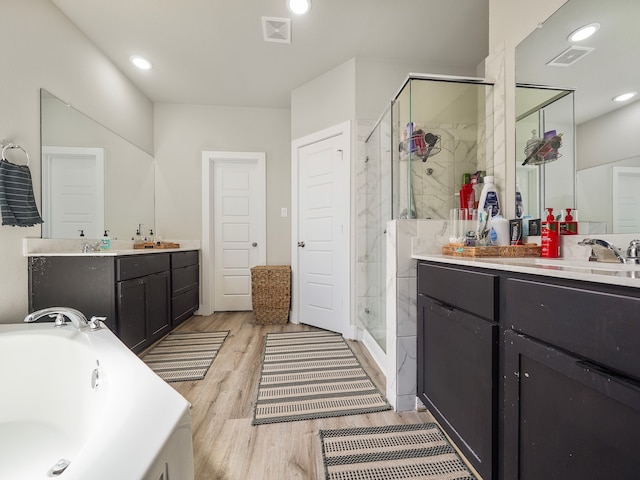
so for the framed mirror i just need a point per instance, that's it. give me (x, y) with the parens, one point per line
(598, 69)
(92, 179)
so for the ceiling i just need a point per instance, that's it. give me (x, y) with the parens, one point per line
(610, 69)
(213, 52)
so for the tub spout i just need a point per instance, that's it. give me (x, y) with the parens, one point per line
(77, 319)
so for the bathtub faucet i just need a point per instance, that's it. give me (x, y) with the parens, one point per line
(77, 319)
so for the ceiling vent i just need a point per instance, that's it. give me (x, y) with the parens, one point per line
(570, 56)
(276, 29)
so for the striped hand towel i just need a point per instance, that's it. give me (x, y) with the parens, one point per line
(17, 202)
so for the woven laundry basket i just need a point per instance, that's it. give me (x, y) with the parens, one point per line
(271, 294)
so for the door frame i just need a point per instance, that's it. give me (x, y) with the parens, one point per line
(209, 158)
(49, 155)
(349, 330)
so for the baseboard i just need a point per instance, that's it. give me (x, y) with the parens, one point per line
(379, 355)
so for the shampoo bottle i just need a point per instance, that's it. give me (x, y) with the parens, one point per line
(105, 244)
(550, 241)
(489, 197)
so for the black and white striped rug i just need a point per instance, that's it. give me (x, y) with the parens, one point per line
(419, 451)
(184, 356)
(312, 374)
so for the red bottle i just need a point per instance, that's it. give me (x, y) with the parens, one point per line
(550, 241)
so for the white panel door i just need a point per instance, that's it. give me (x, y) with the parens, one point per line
(239, 230)
(626, 197)
(73, 192)
(323, 234)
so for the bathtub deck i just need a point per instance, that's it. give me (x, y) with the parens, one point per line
(226, 445)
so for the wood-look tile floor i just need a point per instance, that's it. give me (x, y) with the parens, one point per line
(226, 445)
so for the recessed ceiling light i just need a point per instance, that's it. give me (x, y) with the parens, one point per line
(624, 97)
(140, 62)
(584, 32)
(299, 7)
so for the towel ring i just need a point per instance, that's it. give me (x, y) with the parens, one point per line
(13, 145)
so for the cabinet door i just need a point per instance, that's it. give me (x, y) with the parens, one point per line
(457, 377)
(158, 291)
(132, 312)
(566, 419)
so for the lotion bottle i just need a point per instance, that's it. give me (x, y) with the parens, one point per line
(489, 197)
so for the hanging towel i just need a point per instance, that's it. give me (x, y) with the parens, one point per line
(17, 202)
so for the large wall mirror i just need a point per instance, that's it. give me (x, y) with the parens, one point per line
(92, 179)
(607, 145)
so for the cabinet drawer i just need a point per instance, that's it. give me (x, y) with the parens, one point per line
(184, 259)
(183, 305)
(470, 291)
(135, 266)
(602, 327)
(184, 278)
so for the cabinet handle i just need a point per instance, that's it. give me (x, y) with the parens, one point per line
(603, 372)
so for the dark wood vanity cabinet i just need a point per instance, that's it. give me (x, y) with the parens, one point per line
(185, 285)
(143, 296)
(571, 380)
(558, 396)
(457, 359)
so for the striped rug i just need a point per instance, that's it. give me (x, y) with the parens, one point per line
(313, 374)
(391, 452)
(184, 356)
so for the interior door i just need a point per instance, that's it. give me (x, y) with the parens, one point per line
(626, 198)
(239, 231)
(73, 192)
(323, 233)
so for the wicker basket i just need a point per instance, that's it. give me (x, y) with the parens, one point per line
(271, 294)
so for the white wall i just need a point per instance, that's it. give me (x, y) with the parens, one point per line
(182, 132)
(41, 48)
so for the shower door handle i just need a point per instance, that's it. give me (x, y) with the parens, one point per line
(301, 244)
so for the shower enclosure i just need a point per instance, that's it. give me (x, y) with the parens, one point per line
(413, 164)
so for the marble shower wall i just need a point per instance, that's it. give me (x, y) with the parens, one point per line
(373, 205)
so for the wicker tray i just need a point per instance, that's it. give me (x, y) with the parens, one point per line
(510, 251)
(155, 245)
(271, 294)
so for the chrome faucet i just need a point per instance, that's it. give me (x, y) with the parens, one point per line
(603, 251)
(77, 319)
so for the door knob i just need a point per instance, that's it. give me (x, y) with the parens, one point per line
(254, 244)
(301, 244)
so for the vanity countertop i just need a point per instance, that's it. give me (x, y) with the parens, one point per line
(111, 253)
(610, 273)
(37, 247)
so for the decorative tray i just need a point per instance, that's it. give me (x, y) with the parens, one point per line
(156, 245)
(513, 251)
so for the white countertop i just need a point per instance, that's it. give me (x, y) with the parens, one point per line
(42, 247)
(575, 269)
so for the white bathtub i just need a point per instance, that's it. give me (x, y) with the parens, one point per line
(84, 397)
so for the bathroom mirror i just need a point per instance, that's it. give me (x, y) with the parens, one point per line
(607, 152)
(92, 179)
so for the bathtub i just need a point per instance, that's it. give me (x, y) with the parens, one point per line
(82, 399)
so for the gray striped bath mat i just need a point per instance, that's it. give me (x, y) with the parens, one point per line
(184, 356)
(313, 374)
(391, 452)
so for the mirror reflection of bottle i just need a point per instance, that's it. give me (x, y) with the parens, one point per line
(519, 204)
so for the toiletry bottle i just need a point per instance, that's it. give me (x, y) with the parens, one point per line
(519, 204)
(550, 241)
(138, 239)
(105, 244)
(568, 226)
(499, 231)
(489, 197)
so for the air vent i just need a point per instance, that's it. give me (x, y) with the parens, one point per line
(570, 56)
(276, 29)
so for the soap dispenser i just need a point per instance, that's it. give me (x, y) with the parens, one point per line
(550, 241)
(568, 226)
(105, 244)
